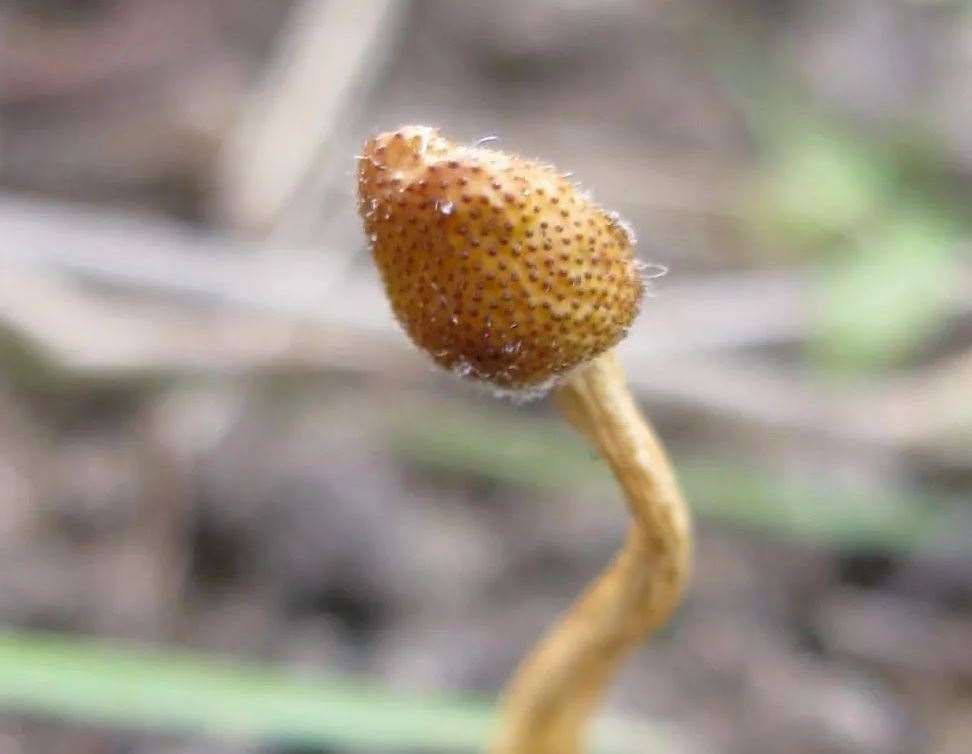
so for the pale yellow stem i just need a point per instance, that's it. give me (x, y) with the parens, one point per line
(554, 692)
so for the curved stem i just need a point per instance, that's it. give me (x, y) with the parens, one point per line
(555, 690)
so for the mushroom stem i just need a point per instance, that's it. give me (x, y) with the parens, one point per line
(553, 693)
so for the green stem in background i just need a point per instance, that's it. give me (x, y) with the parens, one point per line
(72, 678)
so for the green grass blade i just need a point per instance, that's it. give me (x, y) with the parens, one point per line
(535, 454)
(87, 681)
(180, 692)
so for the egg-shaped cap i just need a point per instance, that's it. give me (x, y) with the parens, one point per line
(499, 267)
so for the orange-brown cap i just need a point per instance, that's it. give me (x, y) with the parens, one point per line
(499, 267)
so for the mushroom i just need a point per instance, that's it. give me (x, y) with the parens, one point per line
(508, 274)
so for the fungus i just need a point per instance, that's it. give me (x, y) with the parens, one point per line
(471, 286)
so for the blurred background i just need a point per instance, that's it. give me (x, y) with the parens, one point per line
(239, 513)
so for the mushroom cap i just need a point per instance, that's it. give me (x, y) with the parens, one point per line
(499, 267)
